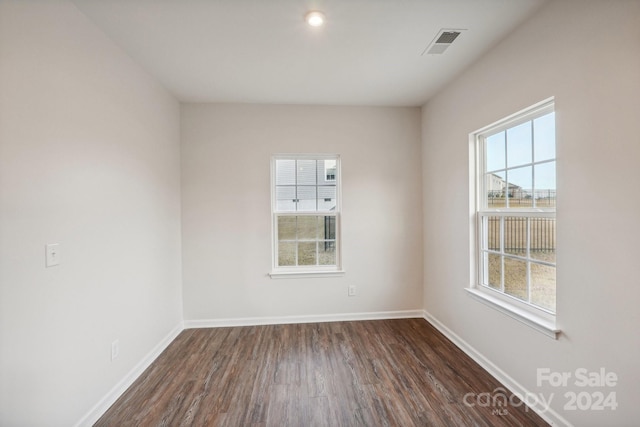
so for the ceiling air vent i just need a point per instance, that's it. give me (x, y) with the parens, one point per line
(442, 41)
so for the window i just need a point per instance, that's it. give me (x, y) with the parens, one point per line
(306, 214)
(515, 218)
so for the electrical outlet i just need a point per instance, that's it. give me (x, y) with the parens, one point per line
(352, 290)
(115, 350)
(52, 254)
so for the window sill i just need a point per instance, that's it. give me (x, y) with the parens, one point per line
(306, 274)
(537, 322)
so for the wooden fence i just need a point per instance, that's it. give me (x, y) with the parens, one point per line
(542, 234)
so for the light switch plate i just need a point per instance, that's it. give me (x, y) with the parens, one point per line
(52, 257)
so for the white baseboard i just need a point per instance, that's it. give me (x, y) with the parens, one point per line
(105, 403)
(548, 414)
(281, 320)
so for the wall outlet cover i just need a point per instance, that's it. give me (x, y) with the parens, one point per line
(52, 254)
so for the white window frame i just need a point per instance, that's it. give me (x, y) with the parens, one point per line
(304, 270)
(536, 317)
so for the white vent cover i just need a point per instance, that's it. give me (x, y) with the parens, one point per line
(442, 41)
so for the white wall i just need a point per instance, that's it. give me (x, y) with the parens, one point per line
(587, 55)
(89, 158)
(226, 151)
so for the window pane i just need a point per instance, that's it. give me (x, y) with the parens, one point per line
(285, 199)
(519, 145)
(543, 239)
(307, 227)
(515, 278)
(287, 228)
(519, 183)
(543, 286)
(307, 253)
(495, 187)
(286, 253)
(494, 271)
(327, 228)
(327, 171)
(515, 236)
(493, 233)
(544, 131)
(495, 152)
(285, 172)
(306, 172)
(320, 172)
(545, 185)
(326, 198)
(327, 252)
(306, 198)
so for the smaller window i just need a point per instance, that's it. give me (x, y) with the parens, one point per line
(306, 214)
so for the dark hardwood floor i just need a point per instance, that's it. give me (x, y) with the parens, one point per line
(370, 373)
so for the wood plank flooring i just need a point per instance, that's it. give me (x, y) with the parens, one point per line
(369, 373)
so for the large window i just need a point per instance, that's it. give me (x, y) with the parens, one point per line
(306, 213)
(516, 210)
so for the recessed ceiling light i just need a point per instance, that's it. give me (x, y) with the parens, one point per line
(315, 18)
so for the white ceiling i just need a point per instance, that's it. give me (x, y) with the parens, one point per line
(262, 51)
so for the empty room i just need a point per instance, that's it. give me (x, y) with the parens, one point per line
(319, 212)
